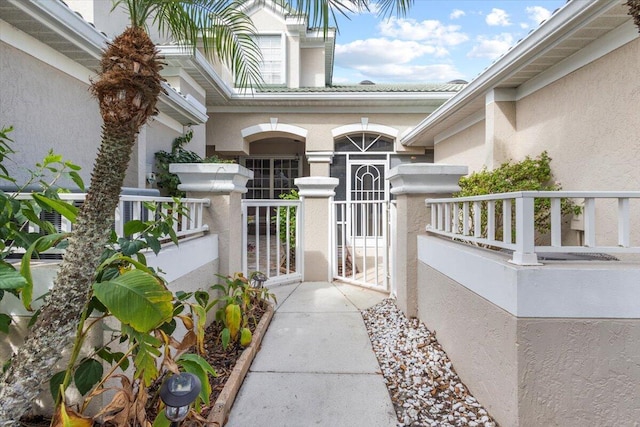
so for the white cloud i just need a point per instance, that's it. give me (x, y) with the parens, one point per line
(498, 17)
(491, 47)
(538, 14)
(376, 52)
(407, 73)
(429, 31)
(457, 13)
(524, 25)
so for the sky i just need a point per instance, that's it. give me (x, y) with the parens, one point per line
(438, 41)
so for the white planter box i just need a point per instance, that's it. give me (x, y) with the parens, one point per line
(212, 177)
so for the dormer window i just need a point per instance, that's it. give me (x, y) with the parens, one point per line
(272, 66)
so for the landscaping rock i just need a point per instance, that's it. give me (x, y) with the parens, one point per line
(424, 387)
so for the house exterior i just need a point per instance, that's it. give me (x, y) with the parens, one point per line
(551, 344)
(545, 344)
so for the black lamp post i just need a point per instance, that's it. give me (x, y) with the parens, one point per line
(178, 392)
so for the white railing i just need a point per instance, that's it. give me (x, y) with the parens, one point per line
(266, 225)
(360, 243)
(143, 208)
(456, 218)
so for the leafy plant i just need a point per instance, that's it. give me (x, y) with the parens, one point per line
(237, 305)
(287, 234)
(531, 174)
(24, 228)
(168, 181)
(125, 288)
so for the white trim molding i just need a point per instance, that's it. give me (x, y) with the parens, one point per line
(563, 289)
(316, 186)
(33, 47)
(274, 128)
(364, 126)
(320, 156)
(592, 52)
(425, 178)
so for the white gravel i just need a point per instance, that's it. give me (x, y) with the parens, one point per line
(424, 387)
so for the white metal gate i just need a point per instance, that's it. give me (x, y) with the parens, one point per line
(361, 243)
(361, 234)
(272, 238)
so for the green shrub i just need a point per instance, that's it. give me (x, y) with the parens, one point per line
(528, 175)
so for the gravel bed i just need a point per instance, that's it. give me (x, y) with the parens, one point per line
(424, 387)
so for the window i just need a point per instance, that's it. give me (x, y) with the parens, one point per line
(272, 66)
(271, 177)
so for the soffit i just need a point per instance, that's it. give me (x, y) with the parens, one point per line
(527, 59)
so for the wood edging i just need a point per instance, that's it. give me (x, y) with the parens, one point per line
(221, 408)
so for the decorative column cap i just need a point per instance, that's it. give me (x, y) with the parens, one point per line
(426, 178)
(316, 186)
(320, 156)
(212, 177)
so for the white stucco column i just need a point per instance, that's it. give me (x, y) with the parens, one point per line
(316, 193)
(223, 184)
(500, 128)
(319, 162)
(412, 184)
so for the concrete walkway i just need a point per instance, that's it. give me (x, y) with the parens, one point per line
(316, 365)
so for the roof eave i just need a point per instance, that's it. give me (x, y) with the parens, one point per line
(571, 16)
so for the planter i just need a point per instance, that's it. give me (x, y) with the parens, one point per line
(220, 410)
(212, 177)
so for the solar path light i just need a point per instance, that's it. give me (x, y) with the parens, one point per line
(178, 392)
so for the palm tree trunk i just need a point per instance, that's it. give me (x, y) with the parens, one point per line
(127, 90)
(634, 11)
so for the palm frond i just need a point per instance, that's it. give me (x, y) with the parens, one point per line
(322, 13)
(220, 27)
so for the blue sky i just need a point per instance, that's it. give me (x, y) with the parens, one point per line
(437, 41)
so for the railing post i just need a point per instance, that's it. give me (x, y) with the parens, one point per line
(223, 184)
(411, 184)
(316, 194)
(525, 232)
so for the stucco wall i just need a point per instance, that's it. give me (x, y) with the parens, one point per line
(49, 110)
(464, 148)
(579, 372)
(478, 337)
(312, 67)
(588, 123)
(224, 129)
(567, 370)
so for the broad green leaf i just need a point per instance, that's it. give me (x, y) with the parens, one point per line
(130, 247)
(226, 338)
(54, 384)
(199, 367)
(146, 356)
(233, 319)
(87, 375)
(5, 321)
(134, 226)
(77, 179)
(65, 209)
(154, 244)
(245, 337)
(136, 299)
(161, 420)
(202, 297)
(10, 278)
(41, 244)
